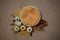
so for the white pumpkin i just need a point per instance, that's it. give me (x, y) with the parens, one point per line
(17, 18)
(16, 28)
(29, 29)
(23, 27)
(18, 23)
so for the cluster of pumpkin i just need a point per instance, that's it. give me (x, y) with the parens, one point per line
(19, 25)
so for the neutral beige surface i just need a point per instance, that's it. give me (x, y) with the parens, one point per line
(50, 10)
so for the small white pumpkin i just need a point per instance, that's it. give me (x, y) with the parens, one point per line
(29, 29)
(23, 27)
(17, 18)
(18, 23)
(16, 28)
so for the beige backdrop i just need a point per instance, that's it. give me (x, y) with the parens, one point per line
(50, 10)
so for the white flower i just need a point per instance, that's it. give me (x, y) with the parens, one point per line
(23, 27)
(16, 28)
(29, 29)
(17, 18)
(18, 23)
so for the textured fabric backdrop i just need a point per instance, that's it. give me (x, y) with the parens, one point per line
(50, 10)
